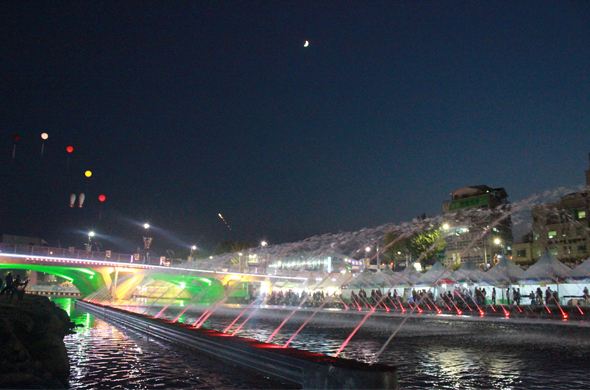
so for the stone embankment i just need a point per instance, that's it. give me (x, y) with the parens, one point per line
(32, 351)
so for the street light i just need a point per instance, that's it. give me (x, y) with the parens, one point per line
(498, 242)
(89, 245)
(193, 248)
(264, 244)
(240, 261)
(147, 242)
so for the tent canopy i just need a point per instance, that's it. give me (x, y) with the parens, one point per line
(547, 268)
(582, 271)
(469, 272)
(435, 274)
(504, 272)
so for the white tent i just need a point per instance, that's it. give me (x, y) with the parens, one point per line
(409, 277)
(504, 272)
(468, 273)
(435, 274)
(582, 271)
(368, 279)
(546, 269)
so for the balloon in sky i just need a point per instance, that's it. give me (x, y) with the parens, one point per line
(72, 200)
(44, 136)
(102, 198)
(70, 149)
(15, 137)
(81, 201)
(88, 173)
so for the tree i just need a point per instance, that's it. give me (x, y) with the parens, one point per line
(229, 246)
(427, 240)
(397, 251)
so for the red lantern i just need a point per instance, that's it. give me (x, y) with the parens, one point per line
(16, 137)
(70, 149)
(102, 198)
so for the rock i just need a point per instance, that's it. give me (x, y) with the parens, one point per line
(31, 335)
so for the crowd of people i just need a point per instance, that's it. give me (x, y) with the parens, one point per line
(460, 298)
(291, 298)
(13, 286)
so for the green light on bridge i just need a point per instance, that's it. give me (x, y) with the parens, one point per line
(65, 277)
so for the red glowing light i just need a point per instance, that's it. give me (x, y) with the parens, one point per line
(70, 149)
(16, 137)
(102, 198)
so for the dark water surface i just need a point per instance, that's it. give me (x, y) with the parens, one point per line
(430, 352)
(104, 356)
(441, 352)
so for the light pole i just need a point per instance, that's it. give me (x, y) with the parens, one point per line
(498, 242)
(89, 245)
(264, 244)
(193, 249)
(368, 259)
(240, 261)
(146, 243)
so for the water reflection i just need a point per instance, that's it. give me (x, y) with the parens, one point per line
(105, 356)
(430, 352)
(445, 353)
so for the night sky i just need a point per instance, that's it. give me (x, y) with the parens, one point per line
(184, 110)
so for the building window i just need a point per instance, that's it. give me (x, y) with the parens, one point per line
(564, 232)
(521, 253)
(536, 237)
(567, 250)
(582, 248)
(579, 231)
(553, 251)
(552, 233)
(581, 214)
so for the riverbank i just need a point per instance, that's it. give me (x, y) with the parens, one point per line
(33, 354)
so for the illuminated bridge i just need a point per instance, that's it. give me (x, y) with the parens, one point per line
(123, 276)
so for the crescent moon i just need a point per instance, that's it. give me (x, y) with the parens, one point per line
(306, 44)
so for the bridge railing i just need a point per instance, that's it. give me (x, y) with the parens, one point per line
(70, 253)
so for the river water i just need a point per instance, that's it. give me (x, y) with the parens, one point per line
(430, 352)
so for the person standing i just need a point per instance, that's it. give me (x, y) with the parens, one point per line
(13, 286)
(539, 296)
(494, 295)
(8, 286)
